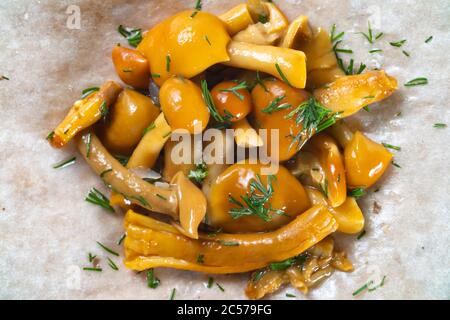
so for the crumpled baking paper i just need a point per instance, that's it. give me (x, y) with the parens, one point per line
(47, 229)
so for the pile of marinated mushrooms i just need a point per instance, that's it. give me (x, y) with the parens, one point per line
(247, 69)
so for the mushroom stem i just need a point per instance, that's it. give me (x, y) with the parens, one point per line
(237, 18)
(291, 63)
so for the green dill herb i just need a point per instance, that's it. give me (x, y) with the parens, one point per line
(290, 295)
(91, 257)
(368, 288)
(99, 199)
(258, 275)
(50, 136)
(194, 14)
(283, 265)
(149, 128)
(210, 103)
(4, 78)
(107, 249)
(439, 125)
(375, 51)
(168, 61)
(356, 193)
(398, 44)
(152, 281)
(127, 70)
(313, 117)
(395, 164)
(229, 243)
(258, 81)
(198, 5)
(379, 35)
(369, 34)
(161, 197)
(167, 134)
(362, 234)
(104, 110)
(406, 53)
(276, 105)
(207, 40)
(119, 242)
(234, 90)
(280, 72)
(156, 75)
(429, 39)
(333, 36)
(87, 92)
(65, 163)
(390, 146)
(88, 145)
(112, 265)
(255, 203)
(201, 258)
(93, 269)
(263, 18)
(417, 82)
(133, 35)
(220, 287)
(172, 294)
(141, 200)
(199, 173)
(210, 282)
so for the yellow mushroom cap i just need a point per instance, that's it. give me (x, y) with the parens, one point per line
(185, 44)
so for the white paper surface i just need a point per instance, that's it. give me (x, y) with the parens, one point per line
(47, 229)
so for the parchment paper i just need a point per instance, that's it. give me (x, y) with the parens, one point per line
(47, 229)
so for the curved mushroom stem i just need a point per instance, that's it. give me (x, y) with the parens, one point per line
(124, 181)
(283, 63)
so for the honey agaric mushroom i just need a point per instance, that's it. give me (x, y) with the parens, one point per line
(350, 94)
(285, 64)
(131, 67)
(287, 194)
(84, 113)
(151, 243)
(236, 19)
(298, 31)
(245, 135)
(348, 215)
(265, 32)
(185, 45)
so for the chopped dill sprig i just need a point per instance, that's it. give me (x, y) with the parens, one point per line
(234, 90)
(369, 35)
(207, 40)
(210, 104)
(65, 163)
(406, 53)
(395, 164)
(417, 82)
(398, 44)
(199, 173)
(220, 287)
(375, 50)
(133, 35)
(152, 281)
(362, 234)
(104, 173)
(429, 39)
(112, 265)
(390, 146)
(313, 117)
(93, 269)
(210, 282)
(91, 257)
(283, 265)
(198, 5)
(168, 61)
(255, 203)
(335, 37)
(87, 92)
(201, 258)
(280, 72)
(107, 249)
(440, 125)
(88, 142)
(104, 110)
(356, 193)
(229, 243)
(99, 199)
(119, 242)
(367, 286)
(276, 105)
(172, 294)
